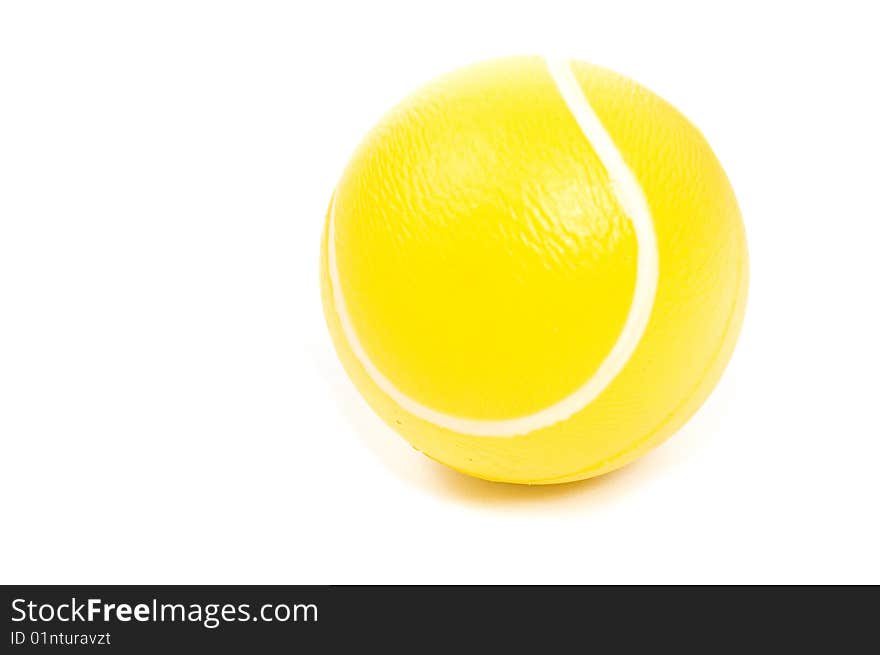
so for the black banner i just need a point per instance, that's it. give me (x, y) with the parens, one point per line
(151, 619)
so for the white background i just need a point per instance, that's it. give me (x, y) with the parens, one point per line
(171, 408)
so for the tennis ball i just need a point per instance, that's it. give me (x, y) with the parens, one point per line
(534, 270)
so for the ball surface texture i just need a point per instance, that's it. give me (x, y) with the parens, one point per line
(534, 270)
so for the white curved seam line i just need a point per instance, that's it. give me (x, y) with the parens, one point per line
(632, 200)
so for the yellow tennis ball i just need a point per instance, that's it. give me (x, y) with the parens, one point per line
(534, 270)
